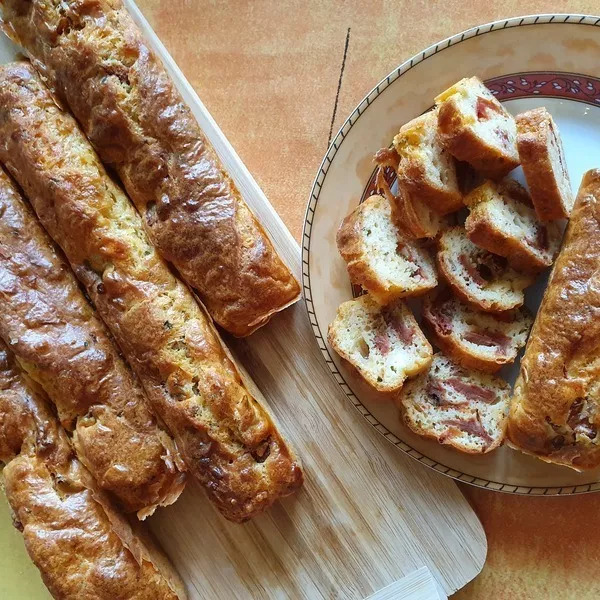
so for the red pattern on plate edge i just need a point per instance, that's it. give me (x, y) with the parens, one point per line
(546, 84)
(570, 86)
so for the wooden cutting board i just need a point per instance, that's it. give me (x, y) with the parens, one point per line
(367, 516)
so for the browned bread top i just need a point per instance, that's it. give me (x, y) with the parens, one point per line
(503, 221)
(426, 169)
(81, 545)
(474, 127)
(62, 344)
(385, 263)
(555, 410)
(225, 435)
(543, 161)
(473, 338)
(92, 52)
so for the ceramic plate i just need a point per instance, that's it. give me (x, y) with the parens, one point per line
(544, 60)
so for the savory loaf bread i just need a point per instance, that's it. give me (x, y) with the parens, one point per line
(476, 276)
(463, 409)
(378, 258)
(475, 128)
(543, 161)
(503, 221)
(555, 411)
(82, 546)
(225, 435)
(412, 217)
(426, 170)
(95, 57)
(60, 342)
(383, 343)
(472, 338)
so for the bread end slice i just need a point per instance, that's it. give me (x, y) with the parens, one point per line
(543, 161)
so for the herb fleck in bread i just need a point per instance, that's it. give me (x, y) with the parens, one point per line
(386, 264)
(472, 338)
(96, 59)
(460, 408)
(503, 221)
(384, 344)
(543, 161)
(478, 277)
(225, 434)
(83, 547)
(474, 127)
(426, 170)
(60, 342)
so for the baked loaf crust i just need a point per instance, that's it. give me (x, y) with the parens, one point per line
(379, 259)
(555, 409)
(503, 221)
(426, 170)
(413, 217)
(62, 344)
(225, 435)
(383, 343)
(472, 338)
(479, 278)
(543, 161)
(463, 409)
(474, 127)
(82, 546)
(95, 57)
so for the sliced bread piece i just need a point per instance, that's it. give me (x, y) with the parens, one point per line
(379, 259)
(463, 409)
(503, 221)
(472, 338)
(480, 278)
(384, 344)
(426, 169)
(543, 161)
(412, 216)
(474, 127)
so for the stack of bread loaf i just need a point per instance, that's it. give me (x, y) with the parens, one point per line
(109, 399)
(491, 237)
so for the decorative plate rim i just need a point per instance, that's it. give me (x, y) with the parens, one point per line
(528, 20)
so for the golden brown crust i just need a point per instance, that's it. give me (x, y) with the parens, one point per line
(465, 145)
(350, 243)
(555, 410)
(81, 545)
(226, 437)
(95, 56)
(413, 219)
(63, 345)
(456, 351)
(412, 171)
(442, 335)
(535, 132)
(523, 255)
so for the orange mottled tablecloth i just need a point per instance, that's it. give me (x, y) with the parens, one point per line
(268, 71)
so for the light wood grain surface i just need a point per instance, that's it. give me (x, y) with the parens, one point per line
(268, 71)
(367, 515)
